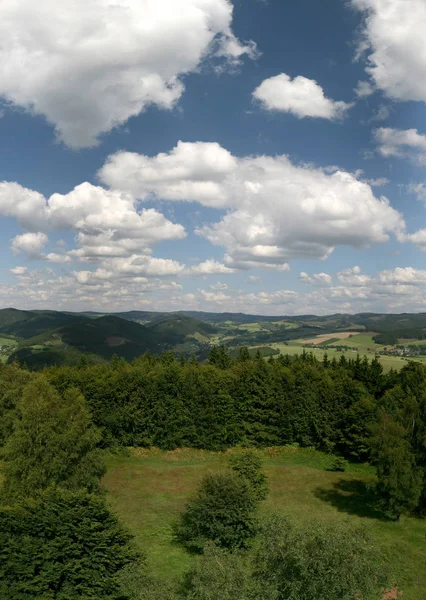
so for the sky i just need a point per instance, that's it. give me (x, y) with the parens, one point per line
(253, 156)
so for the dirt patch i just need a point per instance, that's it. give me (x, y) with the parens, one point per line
(393, 594)
(343, 335)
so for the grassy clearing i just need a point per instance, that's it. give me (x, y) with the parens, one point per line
(149, 488)
(7, 346)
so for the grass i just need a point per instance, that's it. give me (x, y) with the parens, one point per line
(8, 346)
(149, 488)
(388, 362)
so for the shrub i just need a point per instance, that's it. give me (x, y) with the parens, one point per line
(339, 464)
(222, 511)
(248, 466)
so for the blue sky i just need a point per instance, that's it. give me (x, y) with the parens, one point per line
(255, 156)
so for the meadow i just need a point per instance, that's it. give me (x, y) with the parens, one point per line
(148, 489)
(361, 344)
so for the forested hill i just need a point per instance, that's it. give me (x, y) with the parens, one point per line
(45, 337)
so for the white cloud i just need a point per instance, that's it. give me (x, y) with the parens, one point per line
(364, 89)
(30, 243)
(407, 143)
(190, 172)
(419, 190)
(397, 290)
(317, 278)
(276, 211)
(136, 267)
(210, 267)
(353, 277)
(19, 270)
(27, 206)
(404, 275)
(90, 66)
(394, 36)
(57, 258)
(417, 238)
(219, 286)
(301, 96)
(106, 223)
(378, 182)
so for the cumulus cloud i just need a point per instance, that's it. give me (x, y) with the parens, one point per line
(396, 290)
(353, 277)
(317, 278)
(276, 210)
(418, 238)
(210, 267)
(408, 143)
(106, 223)
(393, 36)
(300, 96)
(31, 244)
(404, 275)
(90, 66)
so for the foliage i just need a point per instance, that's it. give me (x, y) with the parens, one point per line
(221, 575)
(62, 545)
(12, 382)
(248, 466)
(325, 562)
(53, 443)
(339, 464)
(222, 511)
(400, 480)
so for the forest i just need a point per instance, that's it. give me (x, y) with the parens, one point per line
(57, 427)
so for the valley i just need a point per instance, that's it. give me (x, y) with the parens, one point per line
(40, 338)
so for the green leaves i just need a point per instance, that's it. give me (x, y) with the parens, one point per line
(62, 545)
(54, 443)
(248, 466)
(222, 511)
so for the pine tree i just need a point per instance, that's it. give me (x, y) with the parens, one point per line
(400, 480)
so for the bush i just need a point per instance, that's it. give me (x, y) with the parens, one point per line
(221, 575)
(339, 464)
(222, 511)
(248, 466)
(325, 562)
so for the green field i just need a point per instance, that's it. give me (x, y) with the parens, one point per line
(8, 346)
(361, 344)
(149, 488)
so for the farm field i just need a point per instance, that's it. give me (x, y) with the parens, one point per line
(149, 488)
(359, 343)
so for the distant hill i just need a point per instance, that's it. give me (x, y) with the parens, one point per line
(174, 328)
(27, 324)
(44, 337)
(99, 338)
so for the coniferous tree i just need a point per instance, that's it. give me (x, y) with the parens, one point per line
(63, 545)
(400, 480)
